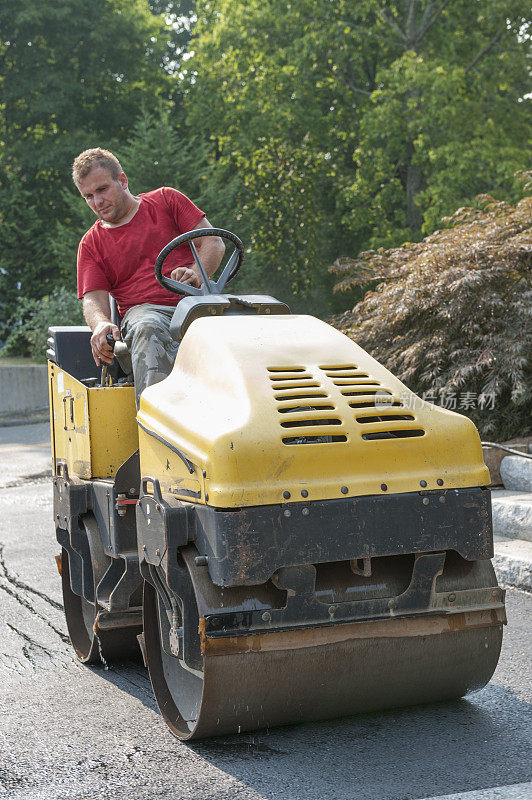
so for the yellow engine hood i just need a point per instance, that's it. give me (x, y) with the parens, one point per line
(273, 409)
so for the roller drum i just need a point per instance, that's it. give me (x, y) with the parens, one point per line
(286, 677)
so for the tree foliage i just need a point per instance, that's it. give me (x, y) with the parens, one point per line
(453, 313)
(261, 71)
(64, 87)
(389, 115)
(446, 119)
(29, 323)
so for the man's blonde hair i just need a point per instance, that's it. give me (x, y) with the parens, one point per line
(95, 157)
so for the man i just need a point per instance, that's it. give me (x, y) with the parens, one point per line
(117, 255)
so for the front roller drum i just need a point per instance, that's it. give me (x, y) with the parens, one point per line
(285, 677)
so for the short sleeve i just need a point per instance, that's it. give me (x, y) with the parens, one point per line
(185, 213)
(91, 275)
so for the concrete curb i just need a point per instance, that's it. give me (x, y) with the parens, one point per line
(512, 514)
(513, 563)
(516, 473)
(29, 419)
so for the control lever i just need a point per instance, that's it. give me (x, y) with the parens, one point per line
(105, 379)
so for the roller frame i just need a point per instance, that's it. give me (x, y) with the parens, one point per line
(75, 498)
(252, 614)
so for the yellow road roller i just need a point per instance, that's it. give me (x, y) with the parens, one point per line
(286, 531)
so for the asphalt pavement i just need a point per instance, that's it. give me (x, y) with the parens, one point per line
(69, 732)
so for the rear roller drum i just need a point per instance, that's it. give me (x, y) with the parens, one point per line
(106, 645)
(285, 677)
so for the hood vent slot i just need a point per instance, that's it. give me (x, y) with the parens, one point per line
(280, 378)
(303, 423)
(307, 396)
(376, 404)
(298, 409)
(273, 370)
(313, 439)
(298, 393)
(372, 390)
(335, 368)
(383, 418)
(406, 434)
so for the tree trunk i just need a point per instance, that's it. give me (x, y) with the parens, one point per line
(414, 181)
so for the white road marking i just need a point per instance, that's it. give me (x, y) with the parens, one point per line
(516, 791)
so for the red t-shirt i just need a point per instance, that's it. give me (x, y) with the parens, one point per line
(121, 260)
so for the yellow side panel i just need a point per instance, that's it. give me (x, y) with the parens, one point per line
(70, 420)
(94, 430)
(174, 477)
(113, 428)
(284, 408)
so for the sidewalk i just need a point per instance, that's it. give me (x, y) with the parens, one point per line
(512, 520)
(512, 528)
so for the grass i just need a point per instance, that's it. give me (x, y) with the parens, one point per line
(18, 361)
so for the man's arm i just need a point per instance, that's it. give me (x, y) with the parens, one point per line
(210, 250)
(97, 313)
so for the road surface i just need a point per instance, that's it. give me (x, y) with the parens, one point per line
(69, 732)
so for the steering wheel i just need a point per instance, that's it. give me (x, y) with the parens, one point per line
(208, 286)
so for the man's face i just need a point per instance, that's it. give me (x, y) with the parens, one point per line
(107, 197)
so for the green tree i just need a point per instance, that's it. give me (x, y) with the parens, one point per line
(277, 120)
(447, 118)
(64, 87)
(29, 323)
(389, 113)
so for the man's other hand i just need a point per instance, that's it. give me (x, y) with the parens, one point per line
(100, 349)
(186, 275)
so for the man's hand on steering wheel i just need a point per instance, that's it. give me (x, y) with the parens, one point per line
(195, 280)
(188, 275)
(100, 349)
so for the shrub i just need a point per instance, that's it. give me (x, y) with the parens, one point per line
(451, 315)
(27, 330)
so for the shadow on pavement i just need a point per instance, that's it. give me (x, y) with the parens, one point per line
(402, 754)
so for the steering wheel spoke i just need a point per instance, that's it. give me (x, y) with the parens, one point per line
(199, 264)
(180, 288)
(227, 272)
(208, 286)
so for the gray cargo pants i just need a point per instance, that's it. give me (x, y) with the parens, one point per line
(146, 331)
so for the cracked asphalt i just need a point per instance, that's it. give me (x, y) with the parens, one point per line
(68, 732)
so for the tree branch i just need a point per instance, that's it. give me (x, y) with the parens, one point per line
(430, 22)
(391, 24)
(483, 52)
(426, 15)
(410, 21)
(354, 88)
(348, 82)
(367, 32)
